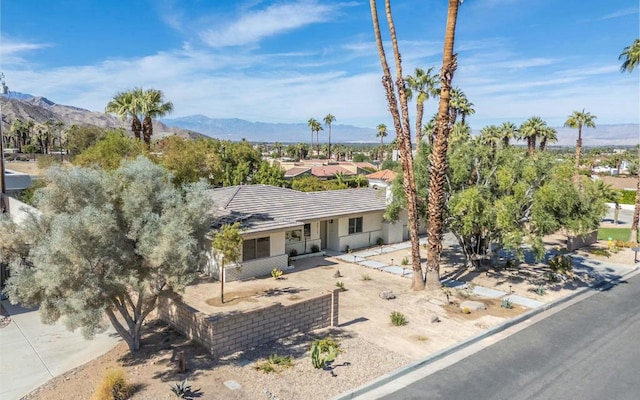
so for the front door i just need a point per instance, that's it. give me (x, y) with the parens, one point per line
(323, 234)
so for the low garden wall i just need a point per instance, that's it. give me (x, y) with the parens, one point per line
(576, 242)
(227, 334)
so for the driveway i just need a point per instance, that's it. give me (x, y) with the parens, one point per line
(31, 352)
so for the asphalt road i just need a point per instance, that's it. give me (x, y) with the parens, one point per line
(588, 351)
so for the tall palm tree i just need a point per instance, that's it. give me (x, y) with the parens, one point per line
(424, 85)
(315, 127)
(508, 131)
(429, 129)
(548, 135)
(459, 134)
(126, 105)
(438, 172)
(530, 130)
(631, 57)
(490, 136)
(328, 120)
(382, 133)
(19, 132)
(398, 107)
(152, 105)
(578, 119)
(460, 105)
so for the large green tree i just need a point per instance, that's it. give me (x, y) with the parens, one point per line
(109, 151)
(106, 243)
(81, 137)
(577, 120)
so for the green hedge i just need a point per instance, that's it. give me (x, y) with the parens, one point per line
(628, 197)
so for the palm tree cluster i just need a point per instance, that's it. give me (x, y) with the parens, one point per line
(140, 104)
(33, 137)
(315, 127)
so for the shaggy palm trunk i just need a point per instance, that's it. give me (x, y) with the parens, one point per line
(136, 127)
(419, 113)
(636, 209)
(543, 144)
(578, 148)
(329, 148)
(438, 170)
(403, 133)
(147, 131)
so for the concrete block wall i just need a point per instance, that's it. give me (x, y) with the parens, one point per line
(255, 268)
(227, 334)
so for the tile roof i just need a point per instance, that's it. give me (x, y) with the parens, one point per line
(295, 171)
(270, 207)
(386, 175)
(328, 171)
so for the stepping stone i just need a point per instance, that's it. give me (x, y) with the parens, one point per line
(233, 385)
(396, 270)
(486, 292)
(452, 283)
(524, 301)
(373, 264)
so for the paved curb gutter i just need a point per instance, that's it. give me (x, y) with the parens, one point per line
(393, 375)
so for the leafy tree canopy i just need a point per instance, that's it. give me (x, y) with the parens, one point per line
(110, 150)
(106, 242)
(80, 138)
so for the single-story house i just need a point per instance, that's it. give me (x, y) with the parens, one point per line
(278, 223)
(381, 179)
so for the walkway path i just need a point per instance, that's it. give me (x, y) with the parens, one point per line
(597, 269)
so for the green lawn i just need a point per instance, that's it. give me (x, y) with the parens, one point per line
(614, 233)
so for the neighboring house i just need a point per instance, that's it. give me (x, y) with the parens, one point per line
(324, 169)
(381, 179)
(278, 222)
(297, 172)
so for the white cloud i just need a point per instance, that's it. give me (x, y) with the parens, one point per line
(11, 50)
(253, 26)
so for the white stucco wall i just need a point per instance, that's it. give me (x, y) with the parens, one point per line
(18, 211)
(371, 231)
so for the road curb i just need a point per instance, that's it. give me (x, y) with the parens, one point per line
(393, 375)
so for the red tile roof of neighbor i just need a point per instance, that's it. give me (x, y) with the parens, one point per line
(295, 171)
(386, 175)
(327, 171)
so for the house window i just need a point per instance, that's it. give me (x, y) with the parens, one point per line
(307, 230)
(293, 236)
(256, 248)
(355, 225)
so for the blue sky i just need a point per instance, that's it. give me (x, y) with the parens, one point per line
(290, 60)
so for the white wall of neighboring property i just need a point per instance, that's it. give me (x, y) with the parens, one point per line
(18, 211)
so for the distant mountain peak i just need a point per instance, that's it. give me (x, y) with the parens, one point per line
(41, 101)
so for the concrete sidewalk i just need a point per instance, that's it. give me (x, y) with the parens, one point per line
(31, 352)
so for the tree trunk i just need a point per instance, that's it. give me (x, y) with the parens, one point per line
(329, 148)
(439, 154)
(147, 131)
(419, 113)
(403, 136)
(636, 210)
(136, 127)
(578, 153)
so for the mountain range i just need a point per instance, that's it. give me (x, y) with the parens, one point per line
(40, 109)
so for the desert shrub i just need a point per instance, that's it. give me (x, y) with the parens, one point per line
(405, 261)
(276, 273)
(561, 264)
(48, 160)
(181, 389)
(379, 241)
(506, 303)
(540, 290)
(466, 310)
(275, 363)
(315, 248)
(113, 386)
(293, 253)
(323, 352)
(365, 277)
(398, 318)
(628, 197)
(340, 285)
